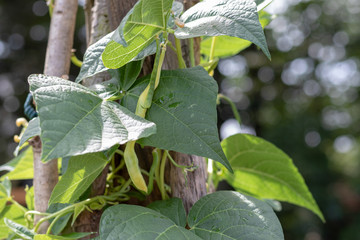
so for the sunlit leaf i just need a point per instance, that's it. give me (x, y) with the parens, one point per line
(265, 171)
(236, 18)
(80, 174)
(138, 30)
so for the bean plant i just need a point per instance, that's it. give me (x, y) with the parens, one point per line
(168, 110)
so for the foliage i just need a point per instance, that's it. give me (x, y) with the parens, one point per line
(168, 110)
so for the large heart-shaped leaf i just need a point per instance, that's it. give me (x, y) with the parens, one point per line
(237, 18)
(231, 215)
(172, 208)
(80, 174)
(140, 223)
(138, 30)
(262, 169)
(226, 46)
(184, 110)
(75, 121)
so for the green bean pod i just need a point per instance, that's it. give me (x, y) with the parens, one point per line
(132, 165)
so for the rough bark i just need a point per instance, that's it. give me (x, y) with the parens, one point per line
(57, 63)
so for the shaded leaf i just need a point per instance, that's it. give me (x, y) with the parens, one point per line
(136, 222)
(32, 130)
(81, 172)
(138, 30)
(231, 215)
(172, 208)
(184, 110)
(92, 63)
(75, 121)
(237, 18)
(262, 169)
(127, 75)
(60, 224)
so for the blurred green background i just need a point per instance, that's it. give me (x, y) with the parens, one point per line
(305, 100)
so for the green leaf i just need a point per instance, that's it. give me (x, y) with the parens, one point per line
(75, 121)
(140, 223)
(75, 235)
(231, 215)
(137, 31)
(29, 197)
(32, 130)
(92, 63)
(60, 224)
(77, 210)
(184, 111)
(24, 168)
(172, 208)
(127, 75)
(262, 169)
(14, 213)
(261, 4)
(7, 184)
(237, 18)
(81, 172)
(19, 229)
(226, 46)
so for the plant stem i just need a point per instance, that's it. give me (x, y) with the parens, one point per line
(191, 52)
(233, 107)
(75, 60)
(24, 209)
(153, 168)
(164, 196)
(179, 53)
(189, 168)
(212, 53)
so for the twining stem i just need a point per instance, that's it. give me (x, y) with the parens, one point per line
(188, 168)
(164, 196)
(212, 53)
(18, 205)
(179, 53)
(71, 208)
(153, 169)
(192, 52)
(75, 60)
(232, 105)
